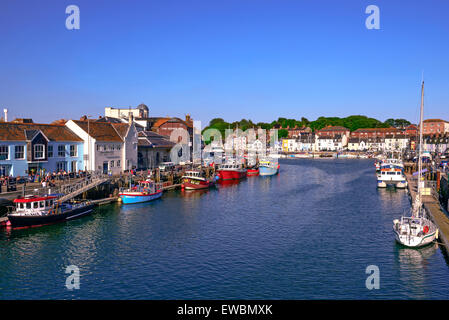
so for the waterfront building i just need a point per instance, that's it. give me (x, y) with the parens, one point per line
(354, 144)
(36, 148)
(152, 149)
(375, 132)
(435, 126)
(331, 143)
(289, 145)
(306, 142)
(332, 131)
(109, 147)
(398, 142)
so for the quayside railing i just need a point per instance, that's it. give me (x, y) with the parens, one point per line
(91, 181)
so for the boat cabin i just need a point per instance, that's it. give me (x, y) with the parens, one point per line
(229, 166)
(193, 174)
(34, 205)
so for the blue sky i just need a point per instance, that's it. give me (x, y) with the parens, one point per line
(253, 59)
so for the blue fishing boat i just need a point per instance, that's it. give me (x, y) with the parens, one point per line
(268, 168)
(143, 192)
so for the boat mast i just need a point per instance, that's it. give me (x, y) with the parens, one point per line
(418, 197)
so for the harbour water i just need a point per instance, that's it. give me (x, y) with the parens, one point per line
(309, 232)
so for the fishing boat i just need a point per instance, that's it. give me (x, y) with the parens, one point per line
(268, 168)
(193, 180)
(416, 230)
(253, 170)
(231, 171)
(145, 191)
(35, 211)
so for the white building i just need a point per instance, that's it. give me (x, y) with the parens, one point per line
(108, 147)
(330, 143)
(396, 142)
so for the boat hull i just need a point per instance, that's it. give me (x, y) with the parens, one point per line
(252, 172)
(268, 171)
(415, 241)
(128, 198)
(193, 184)
(231, 174)
(37, 221)
(397, 184)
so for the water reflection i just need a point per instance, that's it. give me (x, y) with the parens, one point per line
(413, 265)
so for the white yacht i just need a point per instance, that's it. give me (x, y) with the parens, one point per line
(416, 230)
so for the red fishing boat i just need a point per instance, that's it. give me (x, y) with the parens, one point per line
(192, 180)
(253, 171)
(231, 171)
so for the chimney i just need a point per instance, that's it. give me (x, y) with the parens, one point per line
(130, 118)
(6, 114)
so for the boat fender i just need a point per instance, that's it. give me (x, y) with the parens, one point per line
(436, 234)
(425, 229)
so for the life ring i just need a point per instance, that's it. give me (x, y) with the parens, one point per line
(425, 229)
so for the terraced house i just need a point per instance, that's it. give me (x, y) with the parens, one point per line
(30, 148)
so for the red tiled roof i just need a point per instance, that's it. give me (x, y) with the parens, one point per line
(375, 129)
(334, 128)
(121, 128)
(16, 131)
(101, 131)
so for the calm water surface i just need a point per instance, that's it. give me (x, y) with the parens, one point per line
(307, 233)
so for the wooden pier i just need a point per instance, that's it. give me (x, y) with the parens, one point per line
(435, 210)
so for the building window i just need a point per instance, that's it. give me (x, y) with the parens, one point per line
(112, 164)
(39, 151)
(61, 166)
(118, 163)
(118, 147)
(4, 152)
(98, 147)
(61, 151)
(50, 151)
(20, 152)
(73, 150)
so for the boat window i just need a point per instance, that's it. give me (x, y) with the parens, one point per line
(51, 202)
(20, 205)
(42, 204)
(28, 205)
(47, 203)
(35, 205)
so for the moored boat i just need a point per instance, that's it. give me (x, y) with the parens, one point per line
(143, 192)
(391, 175)
(193, 180)
(268, 168)
(418, 229)
(253, 171)
(34, 211)
(231, 171)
